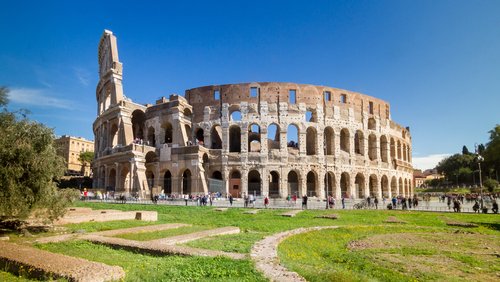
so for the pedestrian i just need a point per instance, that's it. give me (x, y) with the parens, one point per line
(230, 200)
(288, 200)
(245, 200)
(494, 207)
(376, 203)
(266, 202)
(304, 202)
(343, 203)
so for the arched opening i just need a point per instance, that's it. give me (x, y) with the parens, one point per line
(254, 183)
(113, 136)
(167, 183)
(383, 148)
(273, 136)
(235, 139)
(311, 184)
(124, 180)
(385, 186)
(254, 138)
(372, 124)
(187, 128)
(310, 116)
(151, 157)
(401, 187)
(292, 138)
(399, 150)
(344, 184)
(394, 186)
(151, 136)
(311, 141)
(409, 153)
(274, 185)
(110, 186)
(373, 185)
(187, 113)
(186, 182)
(200, 136)
(167, 128)
(235, 183)
(359, 143)
(293, 183)
(330, 188)
(393, 149)
(217, 175)
(138, 118)
(405, 188)
(404, 152)
(372, 147)
(215, 136)
(359, 185)
(150, 179)
(235, 116)
(344, 140)
(410, 192)
(329, 136)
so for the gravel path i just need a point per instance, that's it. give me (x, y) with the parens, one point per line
(151, 247)
(196, 235)
(43, 264)
(265, 255)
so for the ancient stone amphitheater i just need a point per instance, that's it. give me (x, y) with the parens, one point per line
(261, 138)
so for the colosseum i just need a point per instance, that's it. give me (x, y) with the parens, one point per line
(262, 138)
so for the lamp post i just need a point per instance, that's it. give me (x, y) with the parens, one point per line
(479, 160)
(326, 170)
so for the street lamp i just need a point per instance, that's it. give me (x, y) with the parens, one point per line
(479, 160)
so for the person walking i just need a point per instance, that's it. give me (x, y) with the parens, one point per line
(343, 203)
(304, 202)
(376, 203)
(230, 200)
(266, 202)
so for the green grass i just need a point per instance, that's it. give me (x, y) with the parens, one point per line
(319, 256)
(146, 236)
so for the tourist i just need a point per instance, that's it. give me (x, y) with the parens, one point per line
(245, 200)
(394, 202)
(376, 203)
(343, 202)
(266, 202)
(289, 200)
(294, 199)
(494, 207)
(304, 202)
(230, 200)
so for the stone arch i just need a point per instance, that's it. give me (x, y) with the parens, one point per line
(344, 140)
(330, 184)
(111, 180)
(372, 124)
(151, 157)
(359, 186)
(235, 139)
(215, 137)
(329, 136)
(273, 136)
(235, 115)
(138, 118)
(292, 137)
(385, 186)
(151, 136)
(254, 143)
(235, 183)
(189, 134)
(383, 148)
(254, 183)
(404, 152)
(359, 142)
(401, 187)
(373, 185)
(217, 175)
(186, 181)
(393, 149)
(344, 184)
(150, 179)
(113, 135)
(399, 150)
(187, 113)
(200, 136)
(168, 132)
(124, 179)
(311, 115)
(167, 182)
(311, 141)
(293, 183)
(312, 183)
(274, 184)
(394, 186)
(372, 147)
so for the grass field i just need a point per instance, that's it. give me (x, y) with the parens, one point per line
(365, 248)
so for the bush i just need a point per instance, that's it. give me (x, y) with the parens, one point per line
(490, 184)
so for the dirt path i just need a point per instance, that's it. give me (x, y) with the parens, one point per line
(265, 255)
(43, 264)
(195, 236)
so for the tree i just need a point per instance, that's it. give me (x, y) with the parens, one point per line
(492, 152)
(490, 184)
(457, 168)
(465, 151)
(86, 158)
(3, 96)
(28, 166)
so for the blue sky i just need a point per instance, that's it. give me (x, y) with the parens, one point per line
(436, 62)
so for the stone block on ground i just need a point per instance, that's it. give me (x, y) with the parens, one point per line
(291, 213)
(220, 209)
(40, 264)
(147, 215)
(328, 216)
(393, 219)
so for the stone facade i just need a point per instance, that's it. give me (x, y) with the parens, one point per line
(268, 138)
(69, 148)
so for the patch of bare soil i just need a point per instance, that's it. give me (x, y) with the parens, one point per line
(328, 216)
(438, 255)
(393, 219)
(452, 222)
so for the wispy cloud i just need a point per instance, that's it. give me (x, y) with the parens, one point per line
(38, 98)
(428, 162)
(82, 75)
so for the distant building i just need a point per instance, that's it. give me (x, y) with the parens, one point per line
(69, 148)
(419, 177)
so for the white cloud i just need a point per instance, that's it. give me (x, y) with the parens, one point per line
(37, 97)
(83, 76)
(428, 162)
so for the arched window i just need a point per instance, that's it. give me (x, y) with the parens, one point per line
(372, 147)
(292, 137)
(344, 140)
(167, 183)
(167, 127)
(254, 183)
(359, 143)
(372, 124)
(311, 143)
(274, 185)
(329, 136)
(254, 138)
(373, 185)
(186, 182)
(138, 118)
(383, 148)
(344, 184)
(311, 184)
(215, 136)
(359, 185)
(293, 183)
(399, 150)
(234, 139)
(151, 137)
(385, 186)
(273, 136)
(200, 137)
(393, 149)
(235, 116)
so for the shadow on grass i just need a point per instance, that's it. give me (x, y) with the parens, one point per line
(493, 226)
